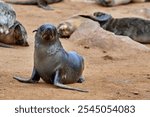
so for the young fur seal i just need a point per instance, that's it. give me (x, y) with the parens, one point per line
(11, 31)
(137, 29)
(52, 63)
(67, 27)
(17, 36)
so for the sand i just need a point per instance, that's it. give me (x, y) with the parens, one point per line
(109, 75)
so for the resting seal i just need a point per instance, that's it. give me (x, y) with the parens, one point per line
(52, 63)
(136, 28)
(66, 28)
(17, 36)
(11, 31)
(41, 3)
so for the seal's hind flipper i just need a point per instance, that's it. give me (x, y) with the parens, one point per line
(58, 84)
(90, 17)
(34, 78)
(5, 45)
(69, 88)
(43, 4)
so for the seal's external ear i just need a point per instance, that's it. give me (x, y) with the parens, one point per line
(102, 17)
(34, 31)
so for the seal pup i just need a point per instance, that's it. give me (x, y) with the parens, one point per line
(52, 63)
(11, 31)
(17, 36)
(137, 29)
(41, 3)
(67, 27)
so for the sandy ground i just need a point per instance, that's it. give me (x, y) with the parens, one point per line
(114, 77)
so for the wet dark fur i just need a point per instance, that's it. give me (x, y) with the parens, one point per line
(17, 36)
(136, 28)
(52, 63)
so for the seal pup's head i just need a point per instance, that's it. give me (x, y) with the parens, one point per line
(65, 29)
(20, 34)
(102, 17)
(46, 33)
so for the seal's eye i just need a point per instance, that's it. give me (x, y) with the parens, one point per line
(49, 34)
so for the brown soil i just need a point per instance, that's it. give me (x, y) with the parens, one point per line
(108, 75)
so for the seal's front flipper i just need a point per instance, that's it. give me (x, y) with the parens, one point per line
(5, 45)
(34, 78)
(58, 84)
(43, 4)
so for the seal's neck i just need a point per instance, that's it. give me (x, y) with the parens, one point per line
(49, 48)
(106, 24)
(54, 48)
